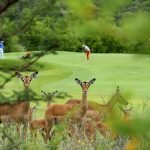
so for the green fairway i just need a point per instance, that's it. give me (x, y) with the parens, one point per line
(128, 71)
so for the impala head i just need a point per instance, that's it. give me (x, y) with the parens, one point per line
(52, 94)
(49, 96)
(85, 85)
(30, 111)
(118, 98)
(34, 107)
(126, 111)
(26, 79)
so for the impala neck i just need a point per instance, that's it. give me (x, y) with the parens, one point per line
(26, 94)
(84, 98)
(48, 102)
(112, 101)
(84, 105)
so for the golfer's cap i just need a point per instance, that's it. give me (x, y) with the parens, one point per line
(83, 45)
(2, 41)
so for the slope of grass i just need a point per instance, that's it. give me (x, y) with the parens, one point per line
(128, 71)
(131, 73)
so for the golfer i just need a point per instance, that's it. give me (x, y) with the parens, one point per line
(87, 51)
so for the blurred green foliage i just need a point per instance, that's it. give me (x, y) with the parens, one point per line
(106, 26)
(8, 65)
(25, 95)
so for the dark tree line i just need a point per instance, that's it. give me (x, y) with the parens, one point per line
(54, 24)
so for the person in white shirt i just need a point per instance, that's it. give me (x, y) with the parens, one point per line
(1, 49)
(87, 51)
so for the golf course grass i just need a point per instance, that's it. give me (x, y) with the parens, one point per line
(130, 72)
(57, 72)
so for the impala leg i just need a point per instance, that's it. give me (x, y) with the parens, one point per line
(49, 125)
(35, 135)
(47, 134)
(43, 133)
(31, 133)
(51, 134)
(25, 127)
(18, 130)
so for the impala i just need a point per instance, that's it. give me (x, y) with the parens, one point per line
(59, 110)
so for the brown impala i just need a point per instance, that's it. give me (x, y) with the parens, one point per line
(19, 110)
(60, 110)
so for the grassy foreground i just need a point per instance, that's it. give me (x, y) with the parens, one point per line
(58, 72)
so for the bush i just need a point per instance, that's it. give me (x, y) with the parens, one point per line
(70, 43)
(105, 44)
(13, 45)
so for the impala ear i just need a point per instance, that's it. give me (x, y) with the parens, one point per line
(43, 93)
(78, 81)
(117, 89)
(92, 81)
(53, 93)
(121, 108)
(129, 109)
(35, 107)
(49, 93)
(33, 75)
(18, 74)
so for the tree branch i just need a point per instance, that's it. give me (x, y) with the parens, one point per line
(23, 68)
(6, 5)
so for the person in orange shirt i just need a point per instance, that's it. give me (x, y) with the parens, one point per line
(87, 51)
